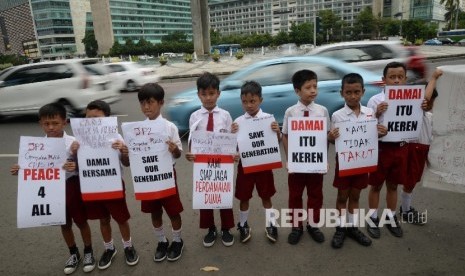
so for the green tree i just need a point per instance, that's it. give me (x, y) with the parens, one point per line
(329, 24)
(452, 6)
(90, 43)
(281, 38)
(143, 46)
(301, 34)
(176, 36)
(363, 26)
(116, 49)
(215, 37)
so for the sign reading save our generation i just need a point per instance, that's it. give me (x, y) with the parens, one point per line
(151, 162)
(307, 145)
(41, 182)
(404, 114)
(258, 145)
(99, 164)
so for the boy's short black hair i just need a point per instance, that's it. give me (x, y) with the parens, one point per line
(352, 78)
(300, 77)
(52, 110)
(251, 87)
(151, 90)
(394, 64)
(208, 80)
(100, 105)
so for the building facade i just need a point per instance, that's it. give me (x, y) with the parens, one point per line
(135, 19)
(17, 36)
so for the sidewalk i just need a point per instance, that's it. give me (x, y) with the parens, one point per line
(227, 65)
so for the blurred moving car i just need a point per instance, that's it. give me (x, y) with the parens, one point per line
(130, 76)
(375, 54)
(461, 42)
(278, 92)
(73, 82)
(446, 41)
(433, 41)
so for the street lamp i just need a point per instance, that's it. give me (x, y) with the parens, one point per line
(401, 14)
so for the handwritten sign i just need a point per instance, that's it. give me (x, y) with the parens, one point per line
(41, 182)
(357, 147)
(151, 162)
(307, 145)
(99, 164)
(213, 182)
(207, 142)
(446, 159)
(404, 114)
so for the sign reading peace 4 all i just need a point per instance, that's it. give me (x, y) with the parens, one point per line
(41, 182)
(258, 145)
(151, 162)
(307, 145)
(357, 147)
(404, 114)
(99, 163)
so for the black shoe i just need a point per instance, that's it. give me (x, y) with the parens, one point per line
(373, 231)
(175, 250)
(357, 235)
(131, 255)
(396, 231)
(89, 262)
(412, 216)
(244, 232)
(294, 236)
(72, 263)
(227, 238)
(316, 234)
(107, 257)
(160, 253)
(210, 237)
(338, 238)
(272, 233)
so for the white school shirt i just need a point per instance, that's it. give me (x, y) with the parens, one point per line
(246, 116)
(346, 114)
(426, 131)
(172, 131)
(68, 141)
(222, 120)
(297, 110)
(373, 103)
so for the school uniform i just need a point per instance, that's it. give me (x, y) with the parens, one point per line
(392, 156)
(221, 122)
(345, 114)
(172, 204)
(263, 180)
(297, 182)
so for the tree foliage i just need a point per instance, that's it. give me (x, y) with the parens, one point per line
(90, 43)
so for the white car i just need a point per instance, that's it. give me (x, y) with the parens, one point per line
(130, 76)
(73, 82)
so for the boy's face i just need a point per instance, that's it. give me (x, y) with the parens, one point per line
(151, 108)
(53, 126)
(308, 92)
(352, 94)
(251, 103)
(208, 97)
(94, 113)
(395, 76)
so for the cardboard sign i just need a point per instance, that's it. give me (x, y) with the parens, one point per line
(404, 114)
(357, 147)
(208, 142)
(41, 182)
(99, 164)
(258, 145)
(307, 145)
(213, 182)
(151, 162)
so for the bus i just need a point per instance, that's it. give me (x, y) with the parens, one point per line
(455, 35)
(225, 48)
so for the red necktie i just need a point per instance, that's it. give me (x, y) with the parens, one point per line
(210, 122)
(305, 113)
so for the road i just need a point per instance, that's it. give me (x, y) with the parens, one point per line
(434, 249)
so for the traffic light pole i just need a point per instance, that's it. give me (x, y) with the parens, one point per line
(314, 31)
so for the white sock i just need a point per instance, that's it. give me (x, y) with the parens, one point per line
(127, 243)
(340, 221)
(375, 213)
(160, 234)
(243, 215)
(109, 245)
(406, 201)
(351, 219)
(355, 219)
(177, 235)
(270, 216)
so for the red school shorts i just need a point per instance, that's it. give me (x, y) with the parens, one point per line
(245, 184)
(117, 208)
(417, 157)
(392, 164)
(75, 208)
(358, 181)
